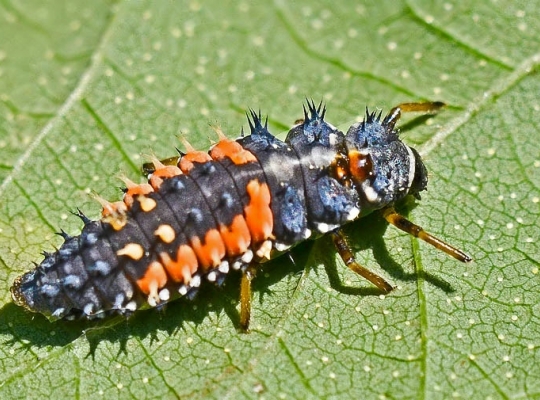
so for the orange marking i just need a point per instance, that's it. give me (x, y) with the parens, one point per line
(135, 190)
(233, 150)
(259, 218)
(154, 278)
(236, 236)
(114, 213)
(112, 209)
(186, 162)
(162, 173)
(166, 233)
(360, 166)
(184, 267)
(147, 203)
(132, 250)
(212, 251)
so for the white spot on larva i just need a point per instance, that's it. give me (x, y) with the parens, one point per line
(164, 295)
(196, 281)
(323, 227)
(58, 312)
(247, 257)
(282, 246)
(370, 193)
(152, 301)
(265, 249)
(88, 309)
(224, 267)
(119, 300)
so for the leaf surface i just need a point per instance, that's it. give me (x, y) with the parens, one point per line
(87, 89)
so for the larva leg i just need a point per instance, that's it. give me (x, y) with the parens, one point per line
(348, 258)
(429, 107)
(407, 226)
(245, 297)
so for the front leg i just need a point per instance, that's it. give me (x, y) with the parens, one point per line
(348, 258)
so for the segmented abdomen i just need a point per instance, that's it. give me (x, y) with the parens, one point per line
(241, 202)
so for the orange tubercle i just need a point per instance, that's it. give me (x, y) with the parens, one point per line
(259, 218)
(212, 251)
(165, 172)
(360, 165)
(236, 236)
(154, 278)
(186, 162)
(184, 267)
(233, 150)
(134, 191)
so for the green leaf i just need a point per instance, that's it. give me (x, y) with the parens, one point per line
(88, 88)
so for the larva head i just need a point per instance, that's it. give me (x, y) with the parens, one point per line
(384, 169)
